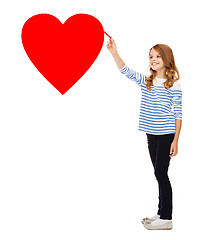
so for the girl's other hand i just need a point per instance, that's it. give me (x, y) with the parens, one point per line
(173, 149)
(111, 46)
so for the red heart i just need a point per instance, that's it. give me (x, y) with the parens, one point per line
(62, 53)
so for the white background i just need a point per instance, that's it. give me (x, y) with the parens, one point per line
(75, 166)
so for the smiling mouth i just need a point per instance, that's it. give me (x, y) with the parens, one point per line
(154, 63)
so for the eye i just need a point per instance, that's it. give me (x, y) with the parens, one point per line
(158, 56)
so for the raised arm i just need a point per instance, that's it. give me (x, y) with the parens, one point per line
(124, 69)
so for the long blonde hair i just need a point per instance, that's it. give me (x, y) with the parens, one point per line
(169, 62)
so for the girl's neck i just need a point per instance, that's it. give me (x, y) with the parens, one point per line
(160, 73)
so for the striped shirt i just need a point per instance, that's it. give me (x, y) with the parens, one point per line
(159, 107)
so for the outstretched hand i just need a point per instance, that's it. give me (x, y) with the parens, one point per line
(111, 45)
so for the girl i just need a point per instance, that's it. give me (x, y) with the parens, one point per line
(160, 118)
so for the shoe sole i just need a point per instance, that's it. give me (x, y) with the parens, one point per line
(160, 229)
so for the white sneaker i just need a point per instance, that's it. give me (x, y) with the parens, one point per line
(149, 220)
(159, 224)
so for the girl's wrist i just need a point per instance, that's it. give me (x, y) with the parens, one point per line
(115, 52)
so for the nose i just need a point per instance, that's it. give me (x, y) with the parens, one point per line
(153, 59)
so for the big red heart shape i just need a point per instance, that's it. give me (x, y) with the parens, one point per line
(62, 53)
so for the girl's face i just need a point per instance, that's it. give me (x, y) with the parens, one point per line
(156, 61)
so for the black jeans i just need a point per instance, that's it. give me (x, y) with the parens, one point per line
(159, 149)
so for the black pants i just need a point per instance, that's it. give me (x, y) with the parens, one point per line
(159, 149)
